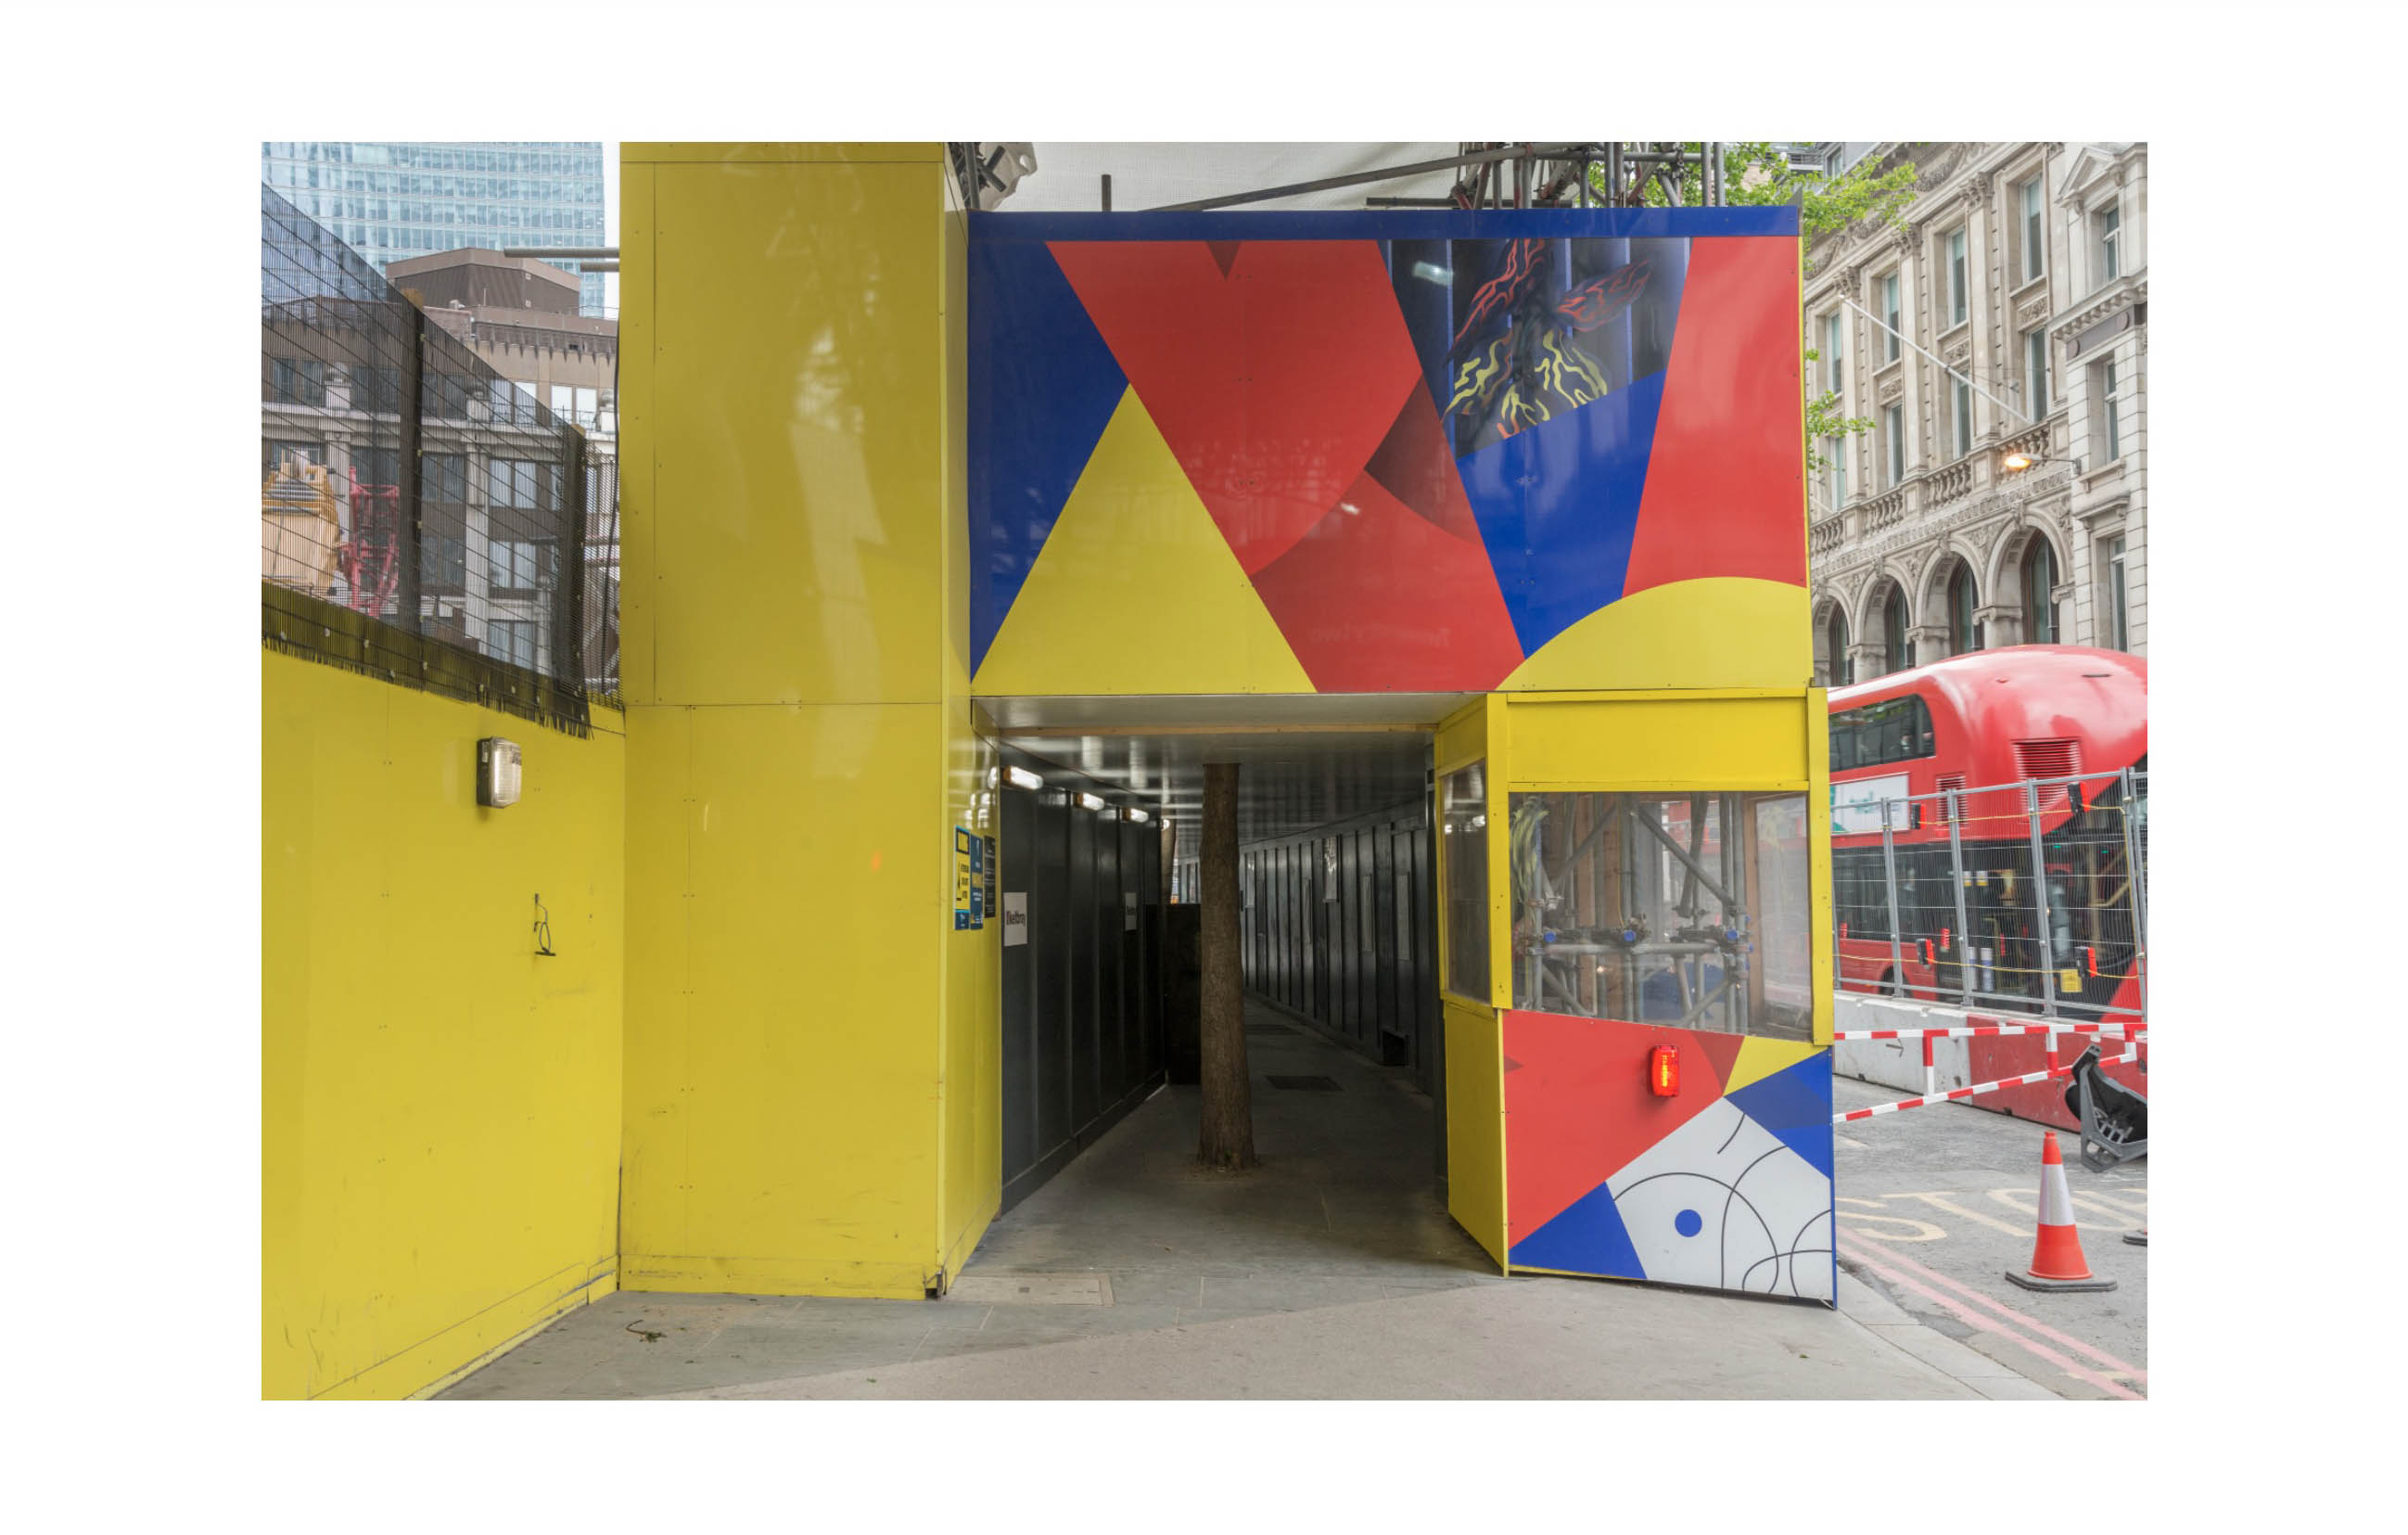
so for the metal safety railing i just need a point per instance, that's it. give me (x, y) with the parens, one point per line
(2028, 896)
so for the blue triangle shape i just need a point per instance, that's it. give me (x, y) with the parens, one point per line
(1557, 506)
(1589, 1238)
(1043, 387)
(1795, 1104)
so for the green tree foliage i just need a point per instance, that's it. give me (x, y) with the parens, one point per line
(1757, 175)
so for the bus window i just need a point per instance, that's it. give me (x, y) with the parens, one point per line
(1897, 730)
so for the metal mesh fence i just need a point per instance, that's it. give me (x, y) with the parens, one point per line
(2028, 896)
(422, 519)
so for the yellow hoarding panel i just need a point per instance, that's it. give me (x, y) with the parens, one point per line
(785, 490)
(440, 1100)
(782, 1041)
(782, 153)
(1668, 742)
(1475, 1125)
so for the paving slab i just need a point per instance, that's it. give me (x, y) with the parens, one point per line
(1530, 1340)
(1332, 1271)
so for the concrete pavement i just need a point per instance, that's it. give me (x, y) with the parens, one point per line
(1331, 1272)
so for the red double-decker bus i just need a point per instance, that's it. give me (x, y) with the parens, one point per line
(1969, 923)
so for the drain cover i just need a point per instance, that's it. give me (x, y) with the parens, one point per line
(1304, 1084)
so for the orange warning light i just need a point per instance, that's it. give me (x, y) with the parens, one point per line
(1664, 1070)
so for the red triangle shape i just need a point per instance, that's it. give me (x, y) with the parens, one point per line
(1224, 252)
(1579, 1111)
(1374, 595)
(1722, 1049)
(1273, 392)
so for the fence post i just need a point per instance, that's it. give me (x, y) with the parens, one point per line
(2040, 901)
(410, 512)
(1889, 876)
(2132, 881)
(568, 668)
(1956, 872)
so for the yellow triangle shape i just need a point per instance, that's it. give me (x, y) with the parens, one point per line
(1710, 631)
(1760, 1058)
(1136, 591)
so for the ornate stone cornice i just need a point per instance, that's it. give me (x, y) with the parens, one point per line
(2118, 295)
(2004, 503)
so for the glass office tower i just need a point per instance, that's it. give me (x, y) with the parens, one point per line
(390, 202)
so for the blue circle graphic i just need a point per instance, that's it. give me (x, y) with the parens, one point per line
(1688, 1223)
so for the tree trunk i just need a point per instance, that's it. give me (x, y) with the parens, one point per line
(1228, 1137)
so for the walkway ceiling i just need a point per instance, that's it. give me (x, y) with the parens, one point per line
(1303, 761)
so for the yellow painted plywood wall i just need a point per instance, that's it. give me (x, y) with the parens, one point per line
(439, 1102)
(812, 1083)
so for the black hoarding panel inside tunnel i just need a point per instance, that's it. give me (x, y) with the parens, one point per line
(1111, 1029)
(1079, 915)
(1048, 944)
(1346, 933)
(1017, 816)
(1143, 858)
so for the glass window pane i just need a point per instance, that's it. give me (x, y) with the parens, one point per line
(1464, 829)
(1686, 909)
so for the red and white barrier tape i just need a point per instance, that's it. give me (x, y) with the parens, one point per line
(2120, 1031)
(2129, 1052)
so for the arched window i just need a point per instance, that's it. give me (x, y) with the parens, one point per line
(1894, 656)
(1964, 629)
(2040, 594)
(1835, 644)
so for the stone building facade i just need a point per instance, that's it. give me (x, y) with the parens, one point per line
(2023, 267)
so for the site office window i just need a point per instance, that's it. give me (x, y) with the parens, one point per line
(1463, 824)
(1686, 908)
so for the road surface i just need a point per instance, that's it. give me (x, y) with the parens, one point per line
(1937, 1203)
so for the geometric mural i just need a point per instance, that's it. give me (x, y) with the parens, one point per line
(1726, 1185)
(1430, 442)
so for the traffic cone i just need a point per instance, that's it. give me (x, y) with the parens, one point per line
(2137, 1239)
(2056, 1261)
